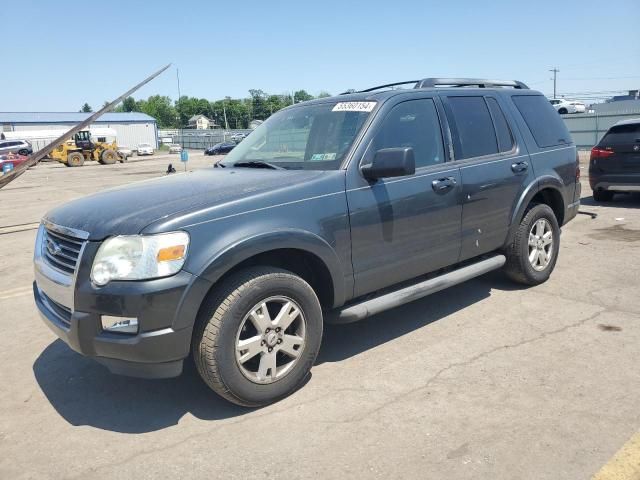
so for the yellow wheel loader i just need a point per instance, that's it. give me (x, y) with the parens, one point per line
(74, 151)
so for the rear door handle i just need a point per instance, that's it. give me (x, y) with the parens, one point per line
(443, 184)
(519, 167)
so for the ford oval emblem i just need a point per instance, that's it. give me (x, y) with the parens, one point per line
(53, 248)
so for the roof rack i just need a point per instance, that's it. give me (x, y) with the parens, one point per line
(469, 82)
(451, 82)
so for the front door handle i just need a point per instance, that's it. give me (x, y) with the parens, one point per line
(443, 184)
(519, 167)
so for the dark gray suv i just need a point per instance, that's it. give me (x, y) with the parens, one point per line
(614, 165)
(331, 210)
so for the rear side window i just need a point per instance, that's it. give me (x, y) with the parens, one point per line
(546, 126)
(505, 138)
(475, 133)
(621, 135)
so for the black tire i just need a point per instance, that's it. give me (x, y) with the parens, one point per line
(108, 157)
(518, 267)
(23, 152)
(75, 159)
(563, 111)
(602, 195)
(218, 325)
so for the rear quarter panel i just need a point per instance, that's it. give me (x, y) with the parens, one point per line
(554, 166)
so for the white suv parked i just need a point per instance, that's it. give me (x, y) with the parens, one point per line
(563, 106)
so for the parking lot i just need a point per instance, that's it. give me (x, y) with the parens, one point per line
(484, 380)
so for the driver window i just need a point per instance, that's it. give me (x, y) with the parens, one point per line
(413, 124)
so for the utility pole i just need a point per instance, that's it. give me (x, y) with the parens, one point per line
(180, 119)
(555, 74)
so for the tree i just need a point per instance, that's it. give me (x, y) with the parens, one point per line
(302, 96)
(161, 108)
(323, 94)
(129, 105)
(258, 106)
(86, 108)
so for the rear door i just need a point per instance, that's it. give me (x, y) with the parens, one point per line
(494, 169)
(624, 142)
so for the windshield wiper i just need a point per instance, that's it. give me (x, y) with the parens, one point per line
(257, 164)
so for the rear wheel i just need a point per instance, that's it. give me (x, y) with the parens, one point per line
(109, 157)
(24, 152)
(75, 159)
(532, 255)
(257, 336)
(563, 111)
(602, 195)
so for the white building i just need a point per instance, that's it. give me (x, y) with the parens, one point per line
(201, 122)
(132, 128)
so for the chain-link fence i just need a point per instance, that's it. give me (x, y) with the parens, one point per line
(199, 139)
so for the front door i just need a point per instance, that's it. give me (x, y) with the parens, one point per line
(404, 227)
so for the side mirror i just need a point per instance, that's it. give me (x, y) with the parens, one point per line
(390, 162)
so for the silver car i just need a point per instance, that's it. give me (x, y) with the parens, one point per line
(21, 147)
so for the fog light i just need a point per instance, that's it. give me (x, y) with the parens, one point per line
(119, 324)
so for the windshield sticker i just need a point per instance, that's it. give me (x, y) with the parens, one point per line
(353, 107)
(316, 157)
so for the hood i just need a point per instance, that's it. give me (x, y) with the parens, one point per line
(128, 209)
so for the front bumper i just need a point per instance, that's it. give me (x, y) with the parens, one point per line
(166, 309)
(157, 354)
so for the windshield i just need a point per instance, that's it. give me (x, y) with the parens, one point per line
(143, 145)
(314, 137)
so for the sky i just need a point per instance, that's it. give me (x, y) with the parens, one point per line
(59, 54)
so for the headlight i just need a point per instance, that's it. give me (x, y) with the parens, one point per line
(139, 257)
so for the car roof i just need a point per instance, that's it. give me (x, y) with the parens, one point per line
(382, 95)
(631, 121)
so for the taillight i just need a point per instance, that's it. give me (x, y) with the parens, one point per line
(597, 152)
(577, 167)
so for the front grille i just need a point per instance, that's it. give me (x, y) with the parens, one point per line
(61, 312)
(61, 251)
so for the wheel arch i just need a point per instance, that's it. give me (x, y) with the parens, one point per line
(546, 190)
(303, 253)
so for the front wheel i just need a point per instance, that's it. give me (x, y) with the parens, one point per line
(75, 159)
(532, 255)
(257, 336)
(108, 157)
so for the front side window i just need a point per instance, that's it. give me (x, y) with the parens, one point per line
(310, 137)
(476, 136)
(413, 124)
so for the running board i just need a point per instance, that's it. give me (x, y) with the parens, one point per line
(359, 311)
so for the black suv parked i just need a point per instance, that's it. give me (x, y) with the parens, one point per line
(333, 209)
(615, 161)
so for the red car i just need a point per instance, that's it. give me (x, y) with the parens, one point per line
(10, 161)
